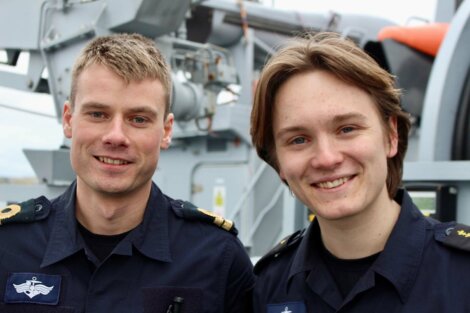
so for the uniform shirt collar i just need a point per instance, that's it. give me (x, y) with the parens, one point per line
(307, 256)
(64, 240)
(400, 260)
(398, 263)
(150, 238)
(308, 260)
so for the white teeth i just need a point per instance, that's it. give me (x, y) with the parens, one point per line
(112, 161)
(334, 183)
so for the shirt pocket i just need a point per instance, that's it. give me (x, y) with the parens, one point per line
(159, 299)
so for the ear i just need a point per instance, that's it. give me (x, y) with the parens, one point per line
(392, 137)
(167, 131)
(67, 120)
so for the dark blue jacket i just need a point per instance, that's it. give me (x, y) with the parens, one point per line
(424, 267)
(46, 267)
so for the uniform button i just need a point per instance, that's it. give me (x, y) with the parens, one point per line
(449, 230)
(38, 208)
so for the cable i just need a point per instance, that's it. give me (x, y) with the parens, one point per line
(244, 18)
(27, 111)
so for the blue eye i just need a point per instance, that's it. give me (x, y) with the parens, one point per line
(298, 140)
(96, 115)
(347, 129)
(139, 119)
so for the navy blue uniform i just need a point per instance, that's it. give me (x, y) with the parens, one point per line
(423, 268)
(45, 265)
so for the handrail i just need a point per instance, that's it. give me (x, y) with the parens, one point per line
(263, 213)
(247, 191)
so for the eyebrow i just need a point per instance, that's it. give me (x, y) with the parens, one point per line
(93, 105)
(338, 119)
(143, 109)
(134, 110)
(287, 130)
(349, 116)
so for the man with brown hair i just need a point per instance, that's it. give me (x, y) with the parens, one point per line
(113, 242)
(328, 119)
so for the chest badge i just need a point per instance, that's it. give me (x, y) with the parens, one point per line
(288, 307)
(33, 288)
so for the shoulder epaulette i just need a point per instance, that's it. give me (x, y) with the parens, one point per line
(283, 246)
(26, 212)
(189, 211)
(453, 235)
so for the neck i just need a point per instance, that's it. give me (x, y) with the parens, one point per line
(110, 214)
(361, 235)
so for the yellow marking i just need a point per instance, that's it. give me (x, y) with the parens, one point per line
(463, 233)
(218, 220)
(207, 212)
(227, 225)
(9, 212)
(219, 199)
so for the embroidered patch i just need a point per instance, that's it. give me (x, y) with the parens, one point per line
(33, 288)
(288, 307)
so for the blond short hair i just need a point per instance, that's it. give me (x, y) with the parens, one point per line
(132, 57)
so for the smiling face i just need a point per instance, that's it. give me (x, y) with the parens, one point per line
(331, 145)
(117, 131)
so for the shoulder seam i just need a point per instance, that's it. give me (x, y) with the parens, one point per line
(283, 246)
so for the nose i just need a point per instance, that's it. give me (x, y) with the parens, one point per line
(116, 134)
(327, 154)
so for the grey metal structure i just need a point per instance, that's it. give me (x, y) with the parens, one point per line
(445, 96)
(216, 48)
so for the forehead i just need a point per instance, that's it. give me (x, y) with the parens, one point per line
(99, 84)
(319, 96)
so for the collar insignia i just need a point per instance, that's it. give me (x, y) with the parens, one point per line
(33, 288)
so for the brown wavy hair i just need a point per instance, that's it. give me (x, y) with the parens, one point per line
(344, 59)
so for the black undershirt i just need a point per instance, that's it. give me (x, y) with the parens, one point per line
(346, 273)
(100, 245)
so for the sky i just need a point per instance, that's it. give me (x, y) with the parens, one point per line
(20, 130)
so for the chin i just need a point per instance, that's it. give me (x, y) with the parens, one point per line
(112, 188)
(336, 212)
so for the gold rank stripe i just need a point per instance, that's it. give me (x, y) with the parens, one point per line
(218, 220)
(463, 233)
(9, 212)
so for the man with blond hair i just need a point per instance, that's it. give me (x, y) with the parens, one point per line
(113, 242)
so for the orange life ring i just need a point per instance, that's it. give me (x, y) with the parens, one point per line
(424, 38)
